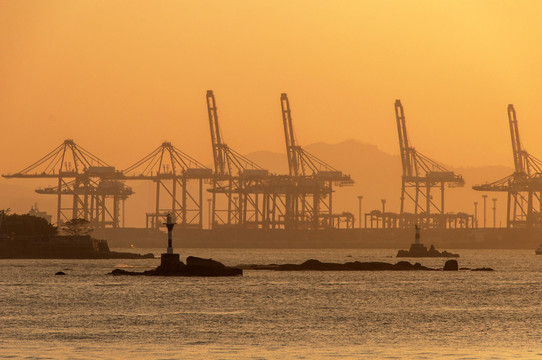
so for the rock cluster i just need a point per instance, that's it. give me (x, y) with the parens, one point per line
(317, 265)
(420, 250)
(451, 265)
(195, 266)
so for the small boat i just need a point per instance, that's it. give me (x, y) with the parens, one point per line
(539, 250)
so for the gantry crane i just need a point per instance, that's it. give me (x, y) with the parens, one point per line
(239, 182)
(310, 205)
(420, 178)
(524, 186)
(179, 182)
(87, 179)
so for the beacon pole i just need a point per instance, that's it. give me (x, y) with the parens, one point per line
(169, 225)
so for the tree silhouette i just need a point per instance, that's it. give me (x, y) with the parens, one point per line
(77, 227)
(24, 225)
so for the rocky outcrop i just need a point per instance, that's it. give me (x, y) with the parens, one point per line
(483, 269)
(316, 265)
(451, 265)
(172, 266)
(420, 250)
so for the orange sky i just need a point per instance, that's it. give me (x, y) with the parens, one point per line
(120, 77)
(129, 74)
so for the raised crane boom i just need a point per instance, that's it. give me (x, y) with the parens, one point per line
(403, 139)
(216, 139)
(293, 163)
(524, 186)
(524, 163)
(420, 175)
(238, 181)
(415, 164)
(300, 161)
(227, 161)
(516, 143)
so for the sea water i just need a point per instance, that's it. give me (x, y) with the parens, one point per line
(274, 315)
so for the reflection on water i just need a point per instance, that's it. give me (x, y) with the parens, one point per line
(267, 314)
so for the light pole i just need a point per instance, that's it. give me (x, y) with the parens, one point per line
(485, 198)
(237, 215)
(476, 214)
(383, 213)
(359, 201)
(494, 212)
(209, 201)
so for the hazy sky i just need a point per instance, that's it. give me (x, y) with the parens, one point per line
(120, 77)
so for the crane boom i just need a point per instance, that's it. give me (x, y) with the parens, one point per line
(216, 140)
(403, 139)
(293, 164)
(524, 186)
(516, 143)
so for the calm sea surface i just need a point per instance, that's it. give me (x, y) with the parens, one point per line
(274, 315)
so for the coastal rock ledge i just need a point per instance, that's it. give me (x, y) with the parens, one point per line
(420, 250)
(195, 266)
(316, 265)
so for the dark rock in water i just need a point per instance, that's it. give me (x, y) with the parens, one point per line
(483, 269)
(420, 250)
(316, 265)
(451, 265)
(60, 273)
(127, 255)
(172, 266)
(123, 272)
(196, 261)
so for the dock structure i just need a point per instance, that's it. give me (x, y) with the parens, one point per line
(523, 187)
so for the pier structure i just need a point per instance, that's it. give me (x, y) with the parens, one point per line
(523, 187)
(421, 180)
